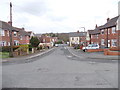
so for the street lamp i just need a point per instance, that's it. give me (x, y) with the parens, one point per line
(85, 37)
(83, 28)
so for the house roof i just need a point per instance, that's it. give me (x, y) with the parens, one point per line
(22, 32)
(77, 34)
(6, 26)
(112, 22)
(38, 35)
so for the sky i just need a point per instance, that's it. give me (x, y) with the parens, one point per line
(58, 16)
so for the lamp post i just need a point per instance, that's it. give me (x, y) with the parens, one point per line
(11, 44)
(85, 37)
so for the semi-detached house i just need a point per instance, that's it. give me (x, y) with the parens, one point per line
(106, 35)
(19, 35)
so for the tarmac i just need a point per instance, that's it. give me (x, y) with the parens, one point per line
(91, 55)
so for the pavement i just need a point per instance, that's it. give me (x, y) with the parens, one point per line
(91, 55)
(27, 57)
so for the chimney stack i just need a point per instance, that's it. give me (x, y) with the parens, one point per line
(108, 19)
(96, 26)
(78, 31)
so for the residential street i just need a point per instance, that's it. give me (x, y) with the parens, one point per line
(60, 69)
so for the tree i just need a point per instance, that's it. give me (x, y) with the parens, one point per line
(34, 41)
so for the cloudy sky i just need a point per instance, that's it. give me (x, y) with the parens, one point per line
(42, 16)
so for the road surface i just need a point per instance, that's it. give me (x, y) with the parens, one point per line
(60, 69)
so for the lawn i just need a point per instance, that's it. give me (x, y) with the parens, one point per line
(4, 55)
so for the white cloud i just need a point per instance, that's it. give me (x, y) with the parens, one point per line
(59, 15)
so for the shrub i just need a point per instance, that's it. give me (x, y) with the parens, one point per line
(7, 48)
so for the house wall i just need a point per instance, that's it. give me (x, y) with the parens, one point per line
(97, 39)
(6, 37)
(74, 40)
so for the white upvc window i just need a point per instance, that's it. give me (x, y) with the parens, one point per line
(108, 30)
(102, 41)
(113, 30)
(2, 32)
(102, 31)
(114, 42)
(2, 43)
(15, 34)
(16, 42)
(8, 33)
(8, 43)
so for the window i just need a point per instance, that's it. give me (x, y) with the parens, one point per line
(97, 36)
(15, 34)
(72, 38)
(2, 32)
(102, 41)
(114, 42)
(113, 30)
(8, 43)
(2, 43)
(108, 30)
(8, 33)
(102, 31)
(21, 38)
(16, 42)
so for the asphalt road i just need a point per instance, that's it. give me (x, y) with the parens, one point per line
(60, 69)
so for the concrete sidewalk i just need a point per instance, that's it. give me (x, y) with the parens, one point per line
(27, 57)
(91, 55)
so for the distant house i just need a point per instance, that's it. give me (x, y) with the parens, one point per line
(46, 40)
(77, 38)
(5, 34)
(32, 34)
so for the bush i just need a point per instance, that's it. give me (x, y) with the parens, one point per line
(39, 48)
(7, 48)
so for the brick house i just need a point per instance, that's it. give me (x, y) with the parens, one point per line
(5, 36)
(77, 38)
(107, 34)
(19, 35)
(24, 37)
(46, 40)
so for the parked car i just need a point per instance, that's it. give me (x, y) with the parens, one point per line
(91, 46)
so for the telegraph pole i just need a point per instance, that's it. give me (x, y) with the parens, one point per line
(11, 43)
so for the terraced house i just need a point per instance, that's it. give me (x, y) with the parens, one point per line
(19, 36)
(107, 35)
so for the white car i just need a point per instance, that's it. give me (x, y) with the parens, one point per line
(91, 46)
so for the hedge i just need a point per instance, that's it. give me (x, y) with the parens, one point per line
(7, 48)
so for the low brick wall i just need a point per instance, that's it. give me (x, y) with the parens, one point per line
(108, 52)
(95, 50)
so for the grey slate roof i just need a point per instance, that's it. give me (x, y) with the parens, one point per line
(6, 26)
(112, 22)
(22, 32)
(77, 34)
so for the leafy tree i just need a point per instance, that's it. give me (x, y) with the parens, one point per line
(34, 42)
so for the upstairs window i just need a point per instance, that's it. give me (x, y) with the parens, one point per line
(15, 34)
(2, 32)
(102, 31)
(113, 30)
(102, 41)
(114, 42)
